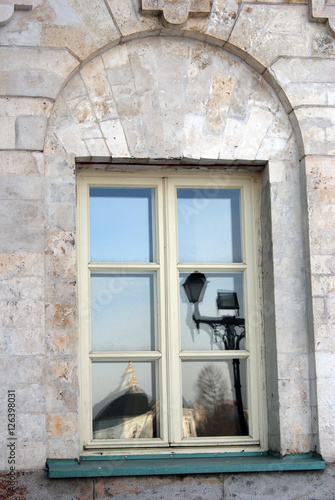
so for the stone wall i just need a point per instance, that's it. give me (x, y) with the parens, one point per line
(223, 83)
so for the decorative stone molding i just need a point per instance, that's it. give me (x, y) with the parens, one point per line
(7, 8)
(176, 12)
(322, 11)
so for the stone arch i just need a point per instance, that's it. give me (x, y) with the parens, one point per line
(117, 93)
(161, 99)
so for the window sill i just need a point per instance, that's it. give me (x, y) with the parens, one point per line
(148, 465)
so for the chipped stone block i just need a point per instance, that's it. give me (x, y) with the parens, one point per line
(222, 18)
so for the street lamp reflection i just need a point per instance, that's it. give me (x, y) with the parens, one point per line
(230, 329)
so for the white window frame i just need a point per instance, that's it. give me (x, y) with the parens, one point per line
(167, 268)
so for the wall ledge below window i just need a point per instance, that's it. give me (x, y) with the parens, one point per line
(148, 465)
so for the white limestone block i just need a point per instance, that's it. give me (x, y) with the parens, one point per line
(115, 138)
(30, 132)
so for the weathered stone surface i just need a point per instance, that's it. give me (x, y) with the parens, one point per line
(21, 163)
(266, 32)
(306, 81)
(34, 72)
(223, 17)
(21, 263)
(77, 29)
(317, 126)
(202, 486)
(30, 132)
(22, 226)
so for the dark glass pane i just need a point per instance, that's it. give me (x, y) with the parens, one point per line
(125, 400)
(123, 311)
(209, 225)
(122, 224)
(212, 406)
(226, 314)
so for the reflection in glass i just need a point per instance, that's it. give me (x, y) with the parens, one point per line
(122, 224)
(124, 400)
(202, 338)
(209, 399)
(123, 311)
(209, 225)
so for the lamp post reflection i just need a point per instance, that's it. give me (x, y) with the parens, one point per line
(231, 335)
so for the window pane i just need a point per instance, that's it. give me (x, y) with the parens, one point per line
(122, 224)
(209, 227)
(213, 405)
(226, 323)
(123, 311)
(124, 400)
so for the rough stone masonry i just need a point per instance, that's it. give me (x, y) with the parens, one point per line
(210, 83)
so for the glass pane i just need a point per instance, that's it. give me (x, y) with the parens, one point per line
(209, 227)
(123, 311)
(124, 398)
(122, 224)
(214, 399)
(220, 308)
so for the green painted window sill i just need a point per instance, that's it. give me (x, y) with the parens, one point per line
(147, 465)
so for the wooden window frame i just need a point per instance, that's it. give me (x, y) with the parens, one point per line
(168, 268)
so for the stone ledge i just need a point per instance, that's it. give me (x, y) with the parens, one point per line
(183, 464)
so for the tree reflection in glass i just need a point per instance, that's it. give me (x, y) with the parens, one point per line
(209, 404)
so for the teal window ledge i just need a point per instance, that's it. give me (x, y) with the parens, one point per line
(147, 465)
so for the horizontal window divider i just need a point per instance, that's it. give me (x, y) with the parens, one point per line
(127, 355)
(214, 354)
(191, 267)
(217, 441)
(125, 266)
(138, 443)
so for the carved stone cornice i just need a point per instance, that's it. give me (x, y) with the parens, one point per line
(7, 8)
(323, 11)
(176, 12)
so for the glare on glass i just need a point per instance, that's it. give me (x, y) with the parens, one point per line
(124, 400)
(210, 401)
(204, 338)
(123, 311)
(122, 224)
(209, 225)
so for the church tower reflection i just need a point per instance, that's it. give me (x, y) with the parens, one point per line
(127, 412)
